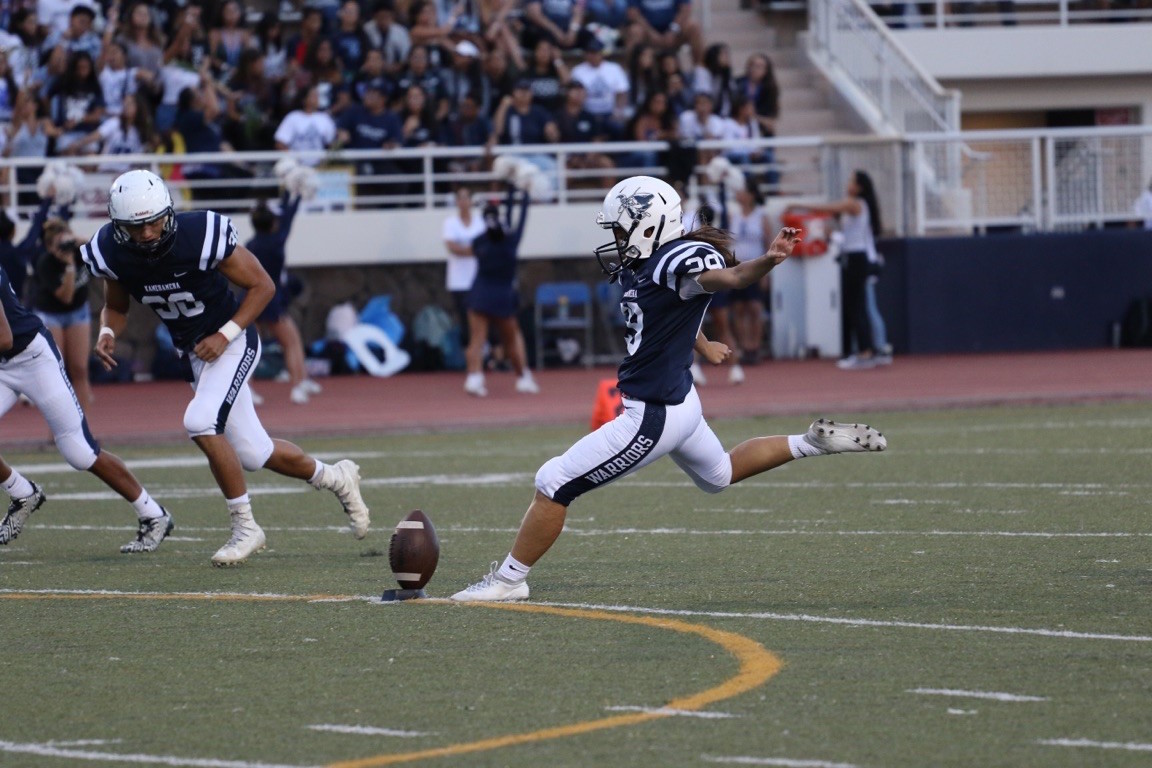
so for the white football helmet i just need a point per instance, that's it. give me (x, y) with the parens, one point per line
(140, 197)
(643, 213)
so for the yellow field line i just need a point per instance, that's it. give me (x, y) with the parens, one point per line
(757, 666)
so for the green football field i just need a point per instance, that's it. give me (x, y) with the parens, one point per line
(979, 595)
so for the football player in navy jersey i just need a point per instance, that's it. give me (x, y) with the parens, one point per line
(31, 365)
(668, 278)
(179, 266)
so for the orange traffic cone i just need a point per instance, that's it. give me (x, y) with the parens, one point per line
(608, 404)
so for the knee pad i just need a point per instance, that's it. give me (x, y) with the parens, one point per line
(200, 421)
(76, 450)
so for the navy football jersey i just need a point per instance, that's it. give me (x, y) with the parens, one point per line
(183, 288)
(23, 321)
(664, 308)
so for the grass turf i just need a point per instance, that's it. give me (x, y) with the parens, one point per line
(953, 562)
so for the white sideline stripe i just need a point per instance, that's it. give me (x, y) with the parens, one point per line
(786, 762)
(343, 529)
(670, 711)
(367, 730)
(1128, 746)
(83, 743)
(1061, 633)
(46, 750)
(994, 696)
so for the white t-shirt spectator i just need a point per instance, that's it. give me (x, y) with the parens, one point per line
(691, 129)
(116, 84)
(54, 14)
(461, 271)
(603, 83)
(175, 79)
(300, 130)
(118, 141)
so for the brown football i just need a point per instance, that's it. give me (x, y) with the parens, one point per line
(414, 550)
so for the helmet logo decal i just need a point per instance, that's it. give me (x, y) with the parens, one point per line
(636, 205)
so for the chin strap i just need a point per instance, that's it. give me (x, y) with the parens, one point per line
(656, 240)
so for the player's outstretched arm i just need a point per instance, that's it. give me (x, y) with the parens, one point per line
(746, 273)
(244, 270)
(113, 319)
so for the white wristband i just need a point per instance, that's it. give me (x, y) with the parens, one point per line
(231, 330)
(105, 331)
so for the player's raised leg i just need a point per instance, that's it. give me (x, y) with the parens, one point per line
(341, 478)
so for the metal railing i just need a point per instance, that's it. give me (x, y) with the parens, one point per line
(940, 14)
(858, 52)
(1027, 180)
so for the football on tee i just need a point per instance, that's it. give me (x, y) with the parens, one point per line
(414, 551)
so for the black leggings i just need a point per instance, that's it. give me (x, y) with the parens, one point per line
(856, 322)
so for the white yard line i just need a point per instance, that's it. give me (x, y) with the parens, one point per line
(991, 695)
(784, 762)
(845, 621)
(367, 730)
(47, 750)
(1127, 746)
(675, 712)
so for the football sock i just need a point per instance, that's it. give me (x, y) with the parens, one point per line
(18, 486)
(801, 447)
(239, 503)
(513, 571)
(317, 479)
(146, 507)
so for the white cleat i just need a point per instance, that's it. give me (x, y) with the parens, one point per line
(257, 398)
(527, 385)
(247, 538)
(736, 374)
(311, 386)
(149, 533)
(474, 385)
(698, 377)
(492, 589)
(18, 512)
(833, 437)
(347, 489)
(299, 394)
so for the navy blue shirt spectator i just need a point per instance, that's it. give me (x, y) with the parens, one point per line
(576, 124)
(519, 121)
(468, 128)
(658, 13)
(610, 13)
(349, 40)
(557, 21)
(370, 125)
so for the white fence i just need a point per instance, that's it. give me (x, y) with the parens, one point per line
(928, 183)
(941, 14)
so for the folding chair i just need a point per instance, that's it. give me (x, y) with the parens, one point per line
(562, 309)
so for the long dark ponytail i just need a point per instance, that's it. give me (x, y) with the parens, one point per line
(868, 195)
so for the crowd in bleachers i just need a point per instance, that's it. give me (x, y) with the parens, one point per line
(83, 78)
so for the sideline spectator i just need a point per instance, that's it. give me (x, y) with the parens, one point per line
(59, 294)
(458, 231)
(666, 24)
(607, 86)
(389, 37)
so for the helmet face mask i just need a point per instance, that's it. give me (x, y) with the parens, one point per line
(642, 212)
(138, 198)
